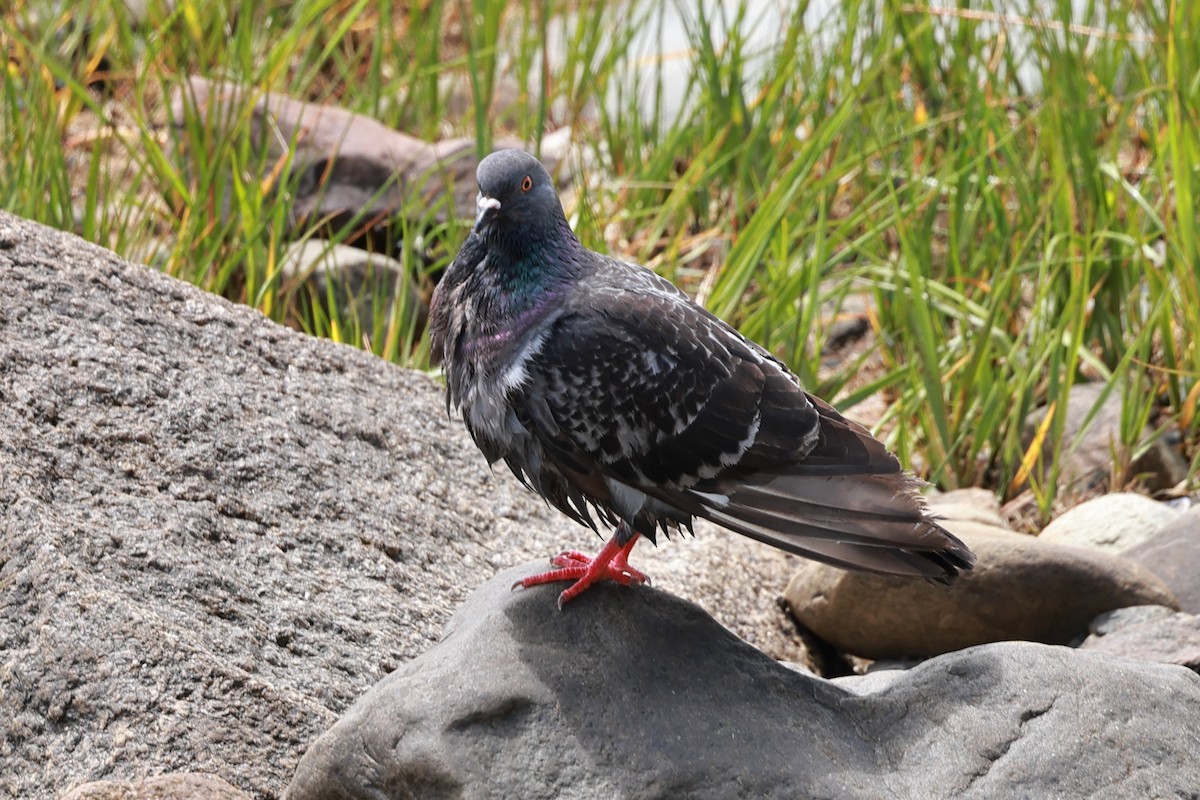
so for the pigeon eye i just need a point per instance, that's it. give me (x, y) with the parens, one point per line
(526, 184)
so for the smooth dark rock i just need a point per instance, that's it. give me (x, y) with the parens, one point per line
(736, 579)
(1020, 588)
(634, 693)
(1173, 554)
(844, 330)
(1148, 633)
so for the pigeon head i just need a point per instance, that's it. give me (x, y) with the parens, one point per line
(517, 202)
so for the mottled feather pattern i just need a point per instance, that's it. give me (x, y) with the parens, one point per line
(614, 396)
(684, 423)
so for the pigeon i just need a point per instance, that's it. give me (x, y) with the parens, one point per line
(611, 394)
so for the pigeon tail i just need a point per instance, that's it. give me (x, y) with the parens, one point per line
(876, 523)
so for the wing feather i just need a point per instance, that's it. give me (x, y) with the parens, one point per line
(647, 389)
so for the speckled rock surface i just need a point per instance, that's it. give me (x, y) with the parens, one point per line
(172, 786)
(217, 533)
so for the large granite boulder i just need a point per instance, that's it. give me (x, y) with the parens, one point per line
(216, 533)
(631, 692)
(172, 786)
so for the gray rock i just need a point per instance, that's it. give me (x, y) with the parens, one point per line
(1110, 523)
(173, 786)
(139, 12)
(507, 107)
(1021, 588)
(364, 285)
(216, 533)
(1148, 633)
(1090, 463)
(1173, 554)
(844, 329)
(873, 680)
(739, 580)
(352, 170)
(634, 693)
(968, 505)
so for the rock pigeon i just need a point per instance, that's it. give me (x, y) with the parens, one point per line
(607, 391)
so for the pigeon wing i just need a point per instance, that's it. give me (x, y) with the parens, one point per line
(644, 389)
(648, 390)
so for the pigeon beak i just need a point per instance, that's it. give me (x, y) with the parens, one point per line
(485, 209)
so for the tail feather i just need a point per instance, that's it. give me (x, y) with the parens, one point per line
(877, 523)
(839, 496)
(940, 566)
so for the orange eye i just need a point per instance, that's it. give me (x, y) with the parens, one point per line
(527, 184)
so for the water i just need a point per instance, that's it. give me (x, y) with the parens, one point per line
(661, 47)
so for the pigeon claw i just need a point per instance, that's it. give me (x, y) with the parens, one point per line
(620, 563)
(611, 563)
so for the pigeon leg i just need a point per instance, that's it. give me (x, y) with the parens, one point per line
(611, 563)
(620, 562)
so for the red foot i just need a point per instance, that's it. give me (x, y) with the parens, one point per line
(620, 562)
(611, 563)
